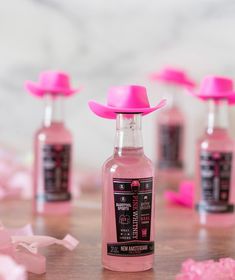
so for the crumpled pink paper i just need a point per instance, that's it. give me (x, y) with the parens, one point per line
(22, 245)
(10, 270)
(224, 269)
(15, 176)
(184, 196)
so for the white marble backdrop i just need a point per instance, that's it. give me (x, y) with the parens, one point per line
(102, 43)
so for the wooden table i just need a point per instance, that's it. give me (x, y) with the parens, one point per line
(177, 238)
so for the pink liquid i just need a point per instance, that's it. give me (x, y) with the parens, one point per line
(132, 163)
(170, 176)
(56, 133)
(219, 141)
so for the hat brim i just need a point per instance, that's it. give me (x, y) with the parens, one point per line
(165, 79)
(40, 91)
(230, 96)
(109, 112)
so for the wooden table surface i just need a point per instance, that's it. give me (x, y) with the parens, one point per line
(177, 238)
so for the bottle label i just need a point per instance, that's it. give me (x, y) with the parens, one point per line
(170, 141)
(130, 249)
(216, 168)
(56, 168)
(133, 210)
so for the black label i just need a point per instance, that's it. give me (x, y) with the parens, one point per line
(216, 170)
(170, 140)
(130, 249)
(56, 167)
(133, 207)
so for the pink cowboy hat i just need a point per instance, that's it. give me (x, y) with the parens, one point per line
(215, 87)
(125, 99)
(173, 76)
(53, 82)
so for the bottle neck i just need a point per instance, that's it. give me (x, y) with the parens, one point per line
(53, 111)
(217, 117)
(172, 93)
(128, 134)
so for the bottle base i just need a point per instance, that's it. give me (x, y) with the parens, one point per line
(127, 267)
(216, 220)
(128, 264)
(55, 208)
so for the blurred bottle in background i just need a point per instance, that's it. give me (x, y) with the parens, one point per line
(53, 146)
(215, 197)
(170, 127)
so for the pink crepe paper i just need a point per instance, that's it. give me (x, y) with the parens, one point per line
(15, 176)
(184, 196)
(10, 270)
(224, 269)
(22, 245)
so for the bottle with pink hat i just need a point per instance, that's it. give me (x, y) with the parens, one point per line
(53, 146)
(128, 184)
(170, 132)
(215, 192)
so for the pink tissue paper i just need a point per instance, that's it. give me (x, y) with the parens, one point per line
(10, 270)
(22, 245)
(224, 269)
(15, 176)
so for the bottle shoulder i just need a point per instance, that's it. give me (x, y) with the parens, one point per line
(140, 166)
(222, 141)
(171, 116)
(56, 134)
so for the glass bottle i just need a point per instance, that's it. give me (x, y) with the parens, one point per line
(128, 201)
(215, 195)
(53, 160)
(170, 136)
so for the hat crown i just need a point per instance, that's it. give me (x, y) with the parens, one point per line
(51, 79)
(128, 97)
(175, 76)
(215, 85)
(173, 73)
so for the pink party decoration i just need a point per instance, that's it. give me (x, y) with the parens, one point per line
(125, 99)
(10, 270)
(184, 196)
(22, 245)
(53, 82)
(15, 177)
(224, 269)
(171, 75)
(217, 88)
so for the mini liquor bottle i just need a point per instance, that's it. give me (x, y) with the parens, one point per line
(53, 146)
(128, 199)
(214, 199)
(170, 132)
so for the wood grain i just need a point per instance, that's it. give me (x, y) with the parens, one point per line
(178, 237)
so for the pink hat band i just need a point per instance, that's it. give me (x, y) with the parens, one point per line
(125, 99)
(216, 87)
(175, 76)
(51, 82)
